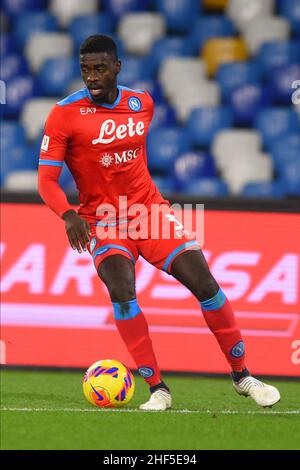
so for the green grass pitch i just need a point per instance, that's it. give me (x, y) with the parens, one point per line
(47, 410)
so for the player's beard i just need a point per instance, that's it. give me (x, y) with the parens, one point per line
(104, 95)
(100, 96)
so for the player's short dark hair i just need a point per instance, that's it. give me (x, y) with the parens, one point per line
(99, 43)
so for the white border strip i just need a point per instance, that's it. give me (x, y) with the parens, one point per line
(133, 410)
(72, 316)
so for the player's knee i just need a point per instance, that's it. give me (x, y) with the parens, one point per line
(207, 288)
(117, 273)
(121, 290)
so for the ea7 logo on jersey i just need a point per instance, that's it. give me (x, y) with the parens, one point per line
(85, 111)
(109, 128)
(45, 143)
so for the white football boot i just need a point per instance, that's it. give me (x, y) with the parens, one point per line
(263, 394)
(160, 400)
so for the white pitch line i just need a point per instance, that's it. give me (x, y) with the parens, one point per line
(202, 412)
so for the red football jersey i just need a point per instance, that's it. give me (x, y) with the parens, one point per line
(104, 147)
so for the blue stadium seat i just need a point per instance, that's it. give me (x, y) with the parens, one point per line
(4, 21)
(152, 86)
(12, 133)
(12, 66)
(165, 184)
(191, 166)
(281, 83)
(274, 54)
(164, 115)
(18, 90)
(135, 68)
(120, 46)
(7, 44)
(163, 147)
(207, 27)
(235, 74)
(19, 7)
(285, 150)
(179, 15)
(17, 157)
(33, 22)
(120, 7)
(291, 9)
(207, 187)
(56, 74)
(246, 101)
(274, 123)
(86, 25)
(168, 47)
(205, 122)
(275, 189)
(291, 177)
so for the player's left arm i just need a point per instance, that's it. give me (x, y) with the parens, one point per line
(53, 150)
(52, 155)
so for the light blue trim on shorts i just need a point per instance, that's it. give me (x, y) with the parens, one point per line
(103, 249)
(176, 251)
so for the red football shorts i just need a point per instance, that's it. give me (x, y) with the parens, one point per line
(158, 239)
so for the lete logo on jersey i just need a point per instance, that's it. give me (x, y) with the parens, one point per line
(109, 131)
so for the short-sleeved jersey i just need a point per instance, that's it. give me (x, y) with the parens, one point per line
(104, 146)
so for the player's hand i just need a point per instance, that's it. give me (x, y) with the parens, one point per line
(78, 230)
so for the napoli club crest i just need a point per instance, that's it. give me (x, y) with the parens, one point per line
(238, 350)
(146, 372)
(134, 103)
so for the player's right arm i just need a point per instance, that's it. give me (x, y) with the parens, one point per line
(53, 149)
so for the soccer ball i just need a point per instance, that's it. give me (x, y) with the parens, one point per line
(108, 384)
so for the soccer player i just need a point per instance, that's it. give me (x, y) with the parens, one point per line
(100, 133)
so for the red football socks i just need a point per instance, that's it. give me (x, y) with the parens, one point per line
(134, 331)
(221, 321)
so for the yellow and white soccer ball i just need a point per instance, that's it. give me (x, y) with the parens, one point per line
(108, 384)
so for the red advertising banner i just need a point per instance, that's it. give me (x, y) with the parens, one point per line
(56, 312)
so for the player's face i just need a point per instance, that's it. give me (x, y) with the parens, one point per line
(99, 72)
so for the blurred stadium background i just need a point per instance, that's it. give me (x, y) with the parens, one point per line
(221, 73)
(224, 77)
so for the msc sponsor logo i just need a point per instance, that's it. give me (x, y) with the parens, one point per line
(134, 103)
(109, 131)
(108, 159)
